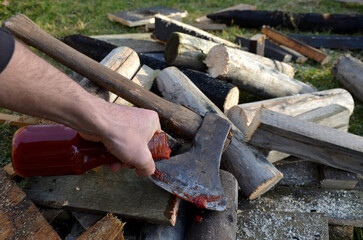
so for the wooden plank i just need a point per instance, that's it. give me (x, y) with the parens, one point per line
(109, 227)
(338, 23)
(19, 120)
(331, 42)
(282, 225)
(165, 26)
(295, 56)
(301, 47)
(138, 17)
(122, 193)
(150, 27)
(19, 218)
(349, 72)
(332, 178)
(306, 140)
(257, 44)
(340, 206)
(241, 6)
(139, 42)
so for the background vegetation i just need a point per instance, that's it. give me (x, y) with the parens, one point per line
(89, 17)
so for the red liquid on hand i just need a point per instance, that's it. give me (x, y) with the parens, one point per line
(49, 150)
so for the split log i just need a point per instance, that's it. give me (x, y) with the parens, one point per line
(349, 71)
(218, 225)
(331, 42)
(303, 139)
(333, 116)
(294, 44)
(253, 172)
(19, 218)
(221, 93)
(296, 105)
(187, 51)
(250, 75)
(339, 23)
(124, 61)
(332, 178)
(257, 44)
(106, 192)
(242, 6)
(165, 26)
(341, 207)
(108, 227)
(295, 56)
(139, 42)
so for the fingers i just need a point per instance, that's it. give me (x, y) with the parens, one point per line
(115, 167)
(146, 166)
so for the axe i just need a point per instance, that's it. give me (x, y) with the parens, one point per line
(194, 175)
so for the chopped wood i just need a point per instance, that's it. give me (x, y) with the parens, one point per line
(106, 192)
(184, 50)
(139, 42)
(341, 232)
(340, 206)
(331, 42)
(218, 225)
(295, 56)
(332, 178)
(150, 27)
(108, 227)
(19, 218)
(165, 26)
(8, 168)
(338, 23)
(257, 224)
(298, 104)
(240, 159)
(349, 72)
(242, 6)
(257, 44)
(249, 75)
(306, 140)
(142, 16)
(301, 47)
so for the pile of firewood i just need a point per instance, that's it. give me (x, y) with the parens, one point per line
(291, 160)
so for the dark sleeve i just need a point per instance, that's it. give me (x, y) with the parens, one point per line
(7, 44)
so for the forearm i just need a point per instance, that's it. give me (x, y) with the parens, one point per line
(31, 85)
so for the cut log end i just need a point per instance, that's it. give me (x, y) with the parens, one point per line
(217, 65)
(232, 99)
(266, 186)
(172, 50)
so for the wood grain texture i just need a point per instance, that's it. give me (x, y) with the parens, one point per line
(254, 173)
(301, 47)
(249, 75)
(307, 140)
(19, 218)
(349, 72)
(183, 121)
(109, 227)
(122, 193)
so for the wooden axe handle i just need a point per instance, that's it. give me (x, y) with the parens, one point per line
(179, 119)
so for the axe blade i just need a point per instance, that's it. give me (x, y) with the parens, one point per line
(194, 175)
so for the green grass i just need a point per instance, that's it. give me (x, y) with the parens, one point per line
(89, 17)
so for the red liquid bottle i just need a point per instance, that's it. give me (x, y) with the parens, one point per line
(50, 150)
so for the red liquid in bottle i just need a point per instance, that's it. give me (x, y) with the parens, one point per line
(49, 150)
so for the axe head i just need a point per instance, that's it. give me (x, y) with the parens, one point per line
(194, 175)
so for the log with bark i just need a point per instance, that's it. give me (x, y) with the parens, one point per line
(187, 51)
(218, 225)
(296, 45)
(306, 140)
(339, 23)
(349, 71)
(165, 26)
(251, 76)
(255, 175)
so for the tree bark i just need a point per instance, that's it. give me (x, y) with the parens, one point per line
(187, 51)
(254, 173)
(250, 75)
(349, 71)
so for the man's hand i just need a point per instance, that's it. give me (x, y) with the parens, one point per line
(126, 132)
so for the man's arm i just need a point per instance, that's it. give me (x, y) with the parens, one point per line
(32, 86)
